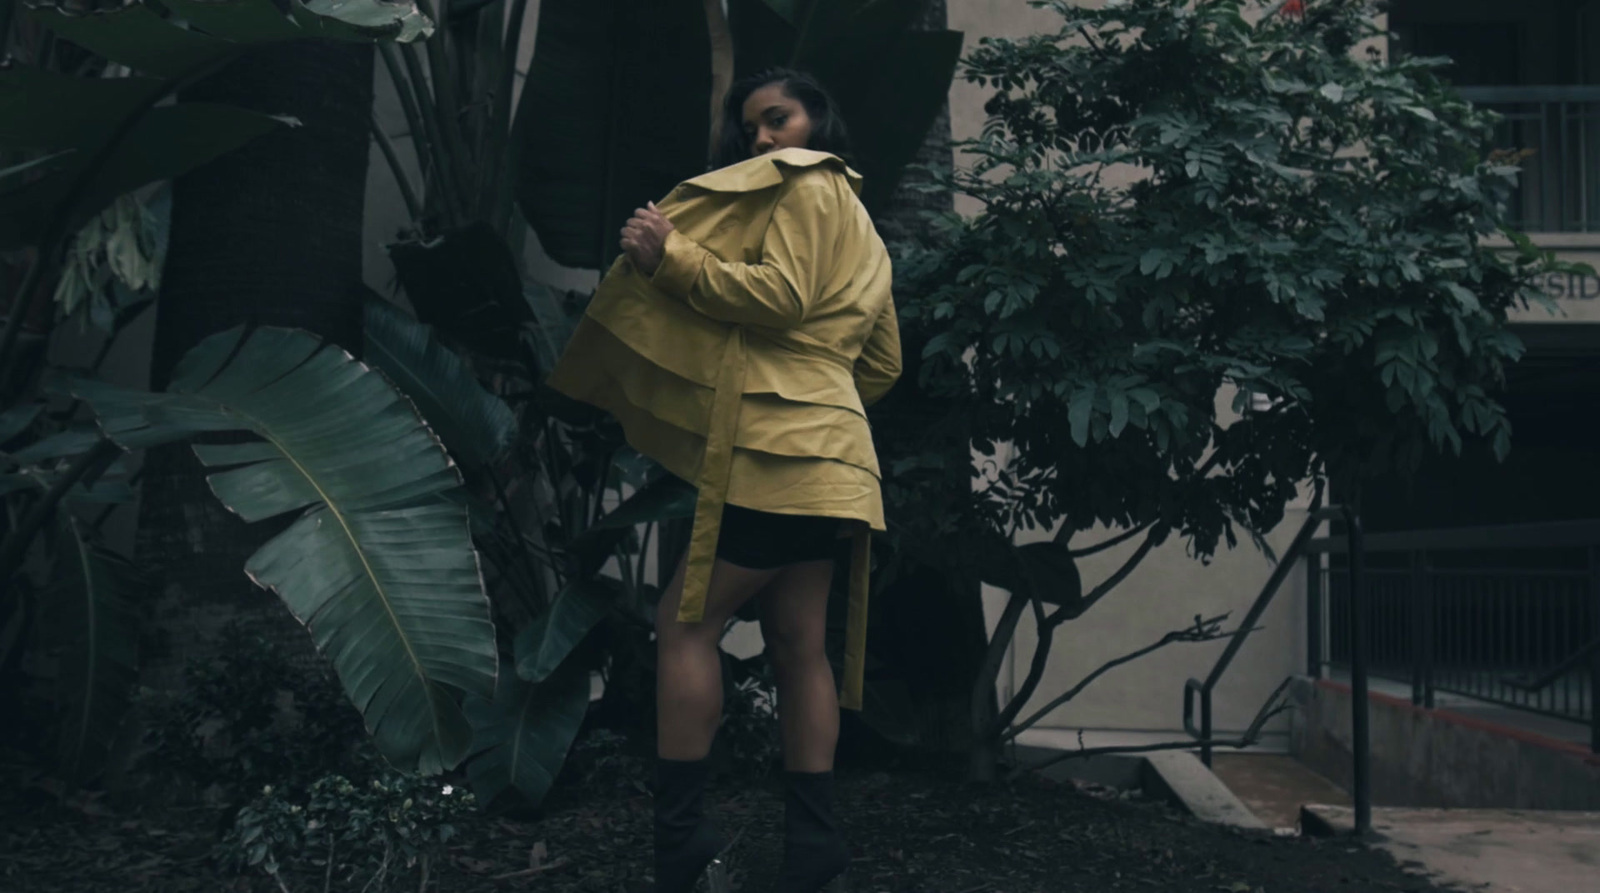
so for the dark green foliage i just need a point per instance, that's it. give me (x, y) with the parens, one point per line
(748, 740)
(375, 834)
(1300, 229)
(248, 718)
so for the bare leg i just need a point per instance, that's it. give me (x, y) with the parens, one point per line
(794, 624)
(688, 668)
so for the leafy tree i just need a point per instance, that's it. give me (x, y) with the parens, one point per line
(1181, 200)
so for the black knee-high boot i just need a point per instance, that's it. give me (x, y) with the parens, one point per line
(687, 843)
(815, 854)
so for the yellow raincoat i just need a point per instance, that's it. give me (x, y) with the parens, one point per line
(745, 362)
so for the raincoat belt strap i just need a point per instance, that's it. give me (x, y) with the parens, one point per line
(715, 469)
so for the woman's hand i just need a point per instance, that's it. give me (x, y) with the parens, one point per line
(644, 238)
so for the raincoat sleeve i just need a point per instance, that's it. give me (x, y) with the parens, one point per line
(878, 367)
(776, 293)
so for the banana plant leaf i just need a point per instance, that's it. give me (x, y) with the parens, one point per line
(51, 112)
(46, 110)
(613, 114)
(576, 609)
(890, 82)
(378, 565)
(552, 325)
(69, 442)
(465, 284)
(106, 490)
(521, 738)
(475, 425)
(165, 142)
(138, 37)
(663, 499)
(18, 419)
(93, 602)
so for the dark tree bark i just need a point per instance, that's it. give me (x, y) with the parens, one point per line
(905, 217)
(931, 634)
(270, 234)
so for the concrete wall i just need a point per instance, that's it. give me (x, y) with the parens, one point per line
(1437, 758)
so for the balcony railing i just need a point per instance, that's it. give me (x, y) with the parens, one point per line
(1508, 615)
(1559, 190)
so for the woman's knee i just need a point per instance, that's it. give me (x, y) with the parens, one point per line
(792, 644)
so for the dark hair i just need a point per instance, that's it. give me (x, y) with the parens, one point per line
(828, 133)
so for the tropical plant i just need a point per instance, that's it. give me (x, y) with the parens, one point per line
(1181, 201)
(85, 124)
(378, 566)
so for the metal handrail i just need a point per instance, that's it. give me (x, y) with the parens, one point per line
(1360, 754)
(1501, 537)
(1532, 93)
(1554, 674)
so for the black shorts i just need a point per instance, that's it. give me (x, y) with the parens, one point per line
(765, 540)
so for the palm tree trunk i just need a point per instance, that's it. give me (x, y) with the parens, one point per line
(271, 235)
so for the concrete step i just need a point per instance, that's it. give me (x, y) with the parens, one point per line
(1488, 850)
(1274, 786)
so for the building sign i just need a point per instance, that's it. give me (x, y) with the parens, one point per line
(1570, 286)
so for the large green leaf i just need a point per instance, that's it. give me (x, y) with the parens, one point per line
(521, 738)
(552, 325)
(47, 110)
(613, 114)
(547, 641)
(378, 566)
(164, 143)
(663, 499)
(93, 605)
(18, 419)
(138, 37)
(474, 424)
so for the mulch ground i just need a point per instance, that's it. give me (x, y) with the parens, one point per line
(913, 829)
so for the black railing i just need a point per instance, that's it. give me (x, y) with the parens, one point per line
(1559, 128)
(1194, 689)
(1505, 615)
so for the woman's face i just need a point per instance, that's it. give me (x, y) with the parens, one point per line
(774, 120)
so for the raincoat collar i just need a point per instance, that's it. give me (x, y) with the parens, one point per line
(765, 171)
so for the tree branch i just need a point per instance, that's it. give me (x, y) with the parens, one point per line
(1041, 656)
(1081, 606)
(1117, 540)
(989, 671)
(1204, 630)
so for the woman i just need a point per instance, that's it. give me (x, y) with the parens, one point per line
(738, 341)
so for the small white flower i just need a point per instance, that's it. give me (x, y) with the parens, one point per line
(448, 790)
